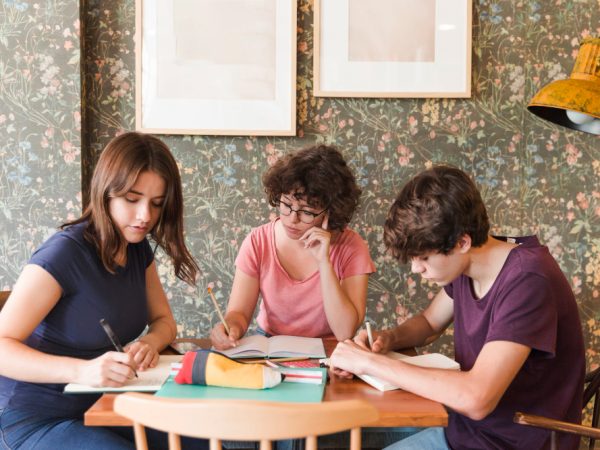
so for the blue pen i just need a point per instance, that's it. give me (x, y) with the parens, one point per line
(114, 339)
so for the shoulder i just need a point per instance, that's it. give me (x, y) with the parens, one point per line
(67, 242)
(351, 240)
(261, 234)
(532, 258)
(258, 240)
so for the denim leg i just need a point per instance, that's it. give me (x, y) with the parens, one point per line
(428, 439)
(25, 430)
(158, 440)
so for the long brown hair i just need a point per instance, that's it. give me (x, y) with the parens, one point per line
(122, 161)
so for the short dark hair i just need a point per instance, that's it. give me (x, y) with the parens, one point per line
(431, 213)
(320, 176)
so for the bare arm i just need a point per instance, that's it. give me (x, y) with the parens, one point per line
(34, 295)
(474, 393)
(344, 302)
(162, 327)
(242, 302)
(418, 330)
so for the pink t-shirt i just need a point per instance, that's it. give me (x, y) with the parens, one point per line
(291, 306)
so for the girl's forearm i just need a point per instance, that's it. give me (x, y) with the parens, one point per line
(23, 363)
(161, 333)
(342, 315)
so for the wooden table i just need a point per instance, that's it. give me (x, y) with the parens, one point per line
(396, 408)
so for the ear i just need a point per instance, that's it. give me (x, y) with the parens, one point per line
(463, 245)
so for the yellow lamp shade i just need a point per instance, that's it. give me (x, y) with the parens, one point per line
(574, 103)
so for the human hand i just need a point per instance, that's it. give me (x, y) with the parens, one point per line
(341, 373)
(112, 369)
(382, 341)
(223, 341)
(317, 240)
(143, 354)
(350, 358)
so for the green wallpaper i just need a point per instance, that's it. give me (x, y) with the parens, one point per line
(40, 126)
(535, 177)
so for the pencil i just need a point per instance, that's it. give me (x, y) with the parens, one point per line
(214, 300)
(369, 334)
(275, 360)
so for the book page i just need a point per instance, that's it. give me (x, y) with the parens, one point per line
(431, 360)
(282, 346)
(249, 346)
(149, 380)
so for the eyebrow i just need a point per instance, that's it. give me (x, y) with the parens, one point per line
(300, 206)
(131, 191)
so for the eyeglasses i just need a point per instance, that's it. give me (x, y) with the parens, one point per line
(306, 217)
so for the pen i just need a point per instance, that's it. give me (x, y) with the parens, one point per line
(369, 335)
(114, 339)
(214, 300)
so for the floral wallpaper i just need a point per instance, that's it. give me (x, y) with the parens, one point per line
(40, 126)
(535, 177)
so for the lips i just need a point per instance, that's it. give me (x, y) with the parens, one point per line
(139, 229)
(292, 230)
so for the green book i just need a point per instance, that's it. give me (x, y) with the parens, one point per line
(283, 392)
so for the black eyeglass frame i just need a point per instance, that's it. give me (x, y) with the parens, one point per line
(298, 211)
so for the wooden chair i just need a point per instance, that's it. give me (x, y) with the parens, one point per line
(3, 297)
(242, 420)
(591, 391)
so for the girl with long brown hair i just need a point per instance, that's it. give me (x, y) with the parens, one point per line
(100, 266)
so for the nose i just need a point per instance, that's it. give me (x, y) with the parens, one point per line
(416, 266)
(143, 212)
(294, 216)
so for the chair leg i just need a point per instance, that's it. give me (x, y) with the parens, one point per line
(355, 439)
(553, 441)
(265, 445)
(214, 444)
(595, 416)
(311, 443)
(139, 433)
(174, 441)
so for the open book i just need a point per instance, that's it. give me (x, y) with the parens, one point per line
(150, 380)
(433, 360)
(277, 347)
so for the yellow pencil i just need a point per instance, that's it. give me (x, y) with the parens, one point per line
(264, 361)
(214, 300)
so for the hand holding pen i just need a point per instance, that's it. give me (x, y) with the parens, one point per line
(114, 339)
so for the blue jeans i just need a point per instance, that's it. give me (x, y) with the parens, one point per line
(428, 439)
(27, 430)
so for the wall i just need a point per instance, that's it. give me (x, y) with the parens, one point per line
(40, 126)
(535, 177)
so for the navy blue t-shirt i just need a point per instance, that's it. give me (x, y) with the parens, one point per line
(72, 328)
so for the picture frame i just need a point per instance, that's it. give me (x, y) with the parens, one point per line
(242, 82)
(417, 49)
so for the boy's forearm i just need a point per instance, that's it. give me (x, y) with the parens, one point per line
(414, 332)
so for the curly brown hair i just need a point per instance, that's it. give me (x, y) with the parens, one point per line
(320, 176)
(121, 162)
(432, 212)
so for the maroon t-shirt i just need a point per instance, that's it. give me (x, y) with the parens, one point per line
(530, 303)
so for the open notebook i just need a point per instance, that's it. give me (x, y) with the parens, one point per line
(277, 347)
(433, 360)
(149, 380)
